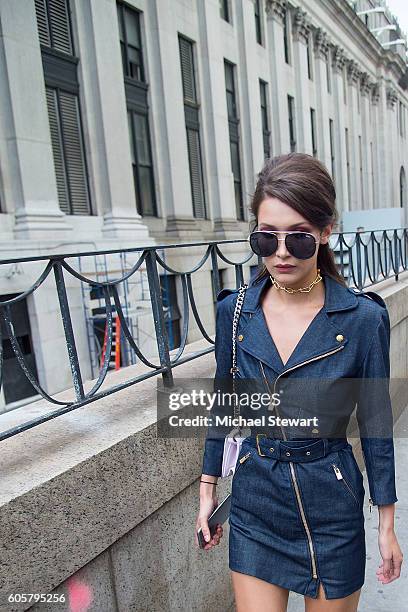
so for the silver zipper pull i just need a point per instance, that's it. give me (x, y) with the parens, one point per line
(245, 457)
(339, 475)
(370, 503)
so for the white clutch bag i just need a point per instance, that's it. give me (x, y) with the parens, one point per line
(233, 442)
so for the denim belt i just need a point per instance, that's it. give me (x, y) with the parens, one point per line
(295, 450)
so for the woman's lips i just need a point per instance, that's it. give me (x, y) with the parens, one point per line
(285, 268)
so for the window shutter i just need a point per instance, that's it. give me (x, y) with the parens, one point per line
(53, 24)
(197, 187)
(187, 70)
(56, 143)
(67, 147)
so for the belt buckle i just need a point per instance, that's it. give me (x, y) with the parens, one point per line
(257, 444)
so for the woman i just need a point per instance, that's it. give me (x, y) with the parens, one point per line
(296, 519)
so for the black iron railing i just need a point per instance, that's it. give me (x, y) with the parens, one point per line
(363, 258)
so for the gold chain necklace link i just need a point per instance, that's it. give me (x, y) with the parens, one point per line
(301, 289)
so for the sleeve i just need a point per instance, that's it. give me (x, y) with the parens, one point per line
(374, 415)
(214, 442)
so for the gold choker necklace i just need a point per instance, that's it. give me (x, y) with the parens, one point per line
(301, 289)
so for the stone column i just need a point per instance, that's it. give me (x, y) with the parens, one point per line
(365, 88)
(392, 98)
(101, 76)
(30, 189)
(338, 62)
(321, 49)
(377, 162)
(220, 179)
(300, 33)
(384, 160)
(275, 10)
(353, 76)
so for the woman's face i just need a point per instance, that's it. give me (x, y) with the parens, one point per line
(276, 215)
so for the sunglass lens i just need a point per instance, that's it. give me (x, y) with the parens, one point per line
(300, 245)
(263, 244)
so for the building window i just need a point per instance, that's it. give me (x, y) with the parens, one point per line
(258, 21)
(286, 28)
(313, 129)
(142, 164)
(291, 115)
(309, 56)
(332, 149)
(233, 125)
(328, 72)
(54, 26)
(360, 151)
(191, 114)
(130, 42)
(345, 85)
(224, 10)
(136, 89)
(348, 165)
(171, 309)
(16, 386)
(63, 105)
(266, 133)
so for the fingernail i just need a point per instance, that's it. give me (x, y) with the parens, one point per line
(207, 537)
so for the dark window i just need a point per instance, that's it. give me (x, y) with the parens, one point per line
(16, 385)
(348, 165)
(191, 114)
(328, 72)
(258, 21)
(224, 10)
(291, 115)
(54, 27)
(313, 129)
(172, 314)
(130, 42)
(332, 152)
(286, 36)
(309, 59)
(233, 124)
(63, 105)
(266, 134)
(142, 163)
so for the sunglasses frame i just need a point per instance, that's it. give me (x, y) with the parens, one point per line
(258, 231)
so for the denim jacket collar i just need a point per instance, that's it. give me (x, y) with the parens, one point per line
(322, 336)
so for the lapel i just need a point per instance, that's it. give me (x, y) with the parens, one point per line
(318, 339)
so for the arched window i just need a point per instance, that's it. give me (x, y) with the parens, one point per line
(403, 187)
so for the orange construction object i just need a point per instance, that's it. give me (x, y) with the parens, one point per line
(115, 343)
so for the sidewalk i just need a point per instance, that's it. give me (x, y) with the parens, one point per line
(376, 597)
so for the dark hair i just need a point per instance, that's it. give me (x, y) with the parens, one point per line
(303, 183)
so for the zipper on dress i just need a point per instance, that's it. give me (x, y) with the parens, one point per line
(340, 476)
(292, 469)
(245, 457)
(370, 503)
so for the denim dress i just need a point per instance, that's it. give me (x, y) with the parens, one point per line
(297, 496)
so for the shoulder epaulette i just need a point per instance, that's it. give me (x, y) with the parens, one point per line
(371, 295)
(224, 292)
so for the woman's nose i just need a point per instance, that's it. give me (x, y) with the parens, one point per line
(282, 250)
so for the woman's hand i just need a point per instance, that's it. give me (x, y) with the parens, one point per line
(208, 501)
(391, 554)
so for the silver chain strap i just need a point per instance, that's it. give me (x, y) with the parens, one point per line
(235, 369)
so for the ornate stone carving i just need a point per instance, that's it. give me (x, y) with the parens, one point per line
(365, 83)
(300, 25)
(338, 58)
(276, 9)
(392, 96)
(353, 72)
(321, 44)
(375, 92)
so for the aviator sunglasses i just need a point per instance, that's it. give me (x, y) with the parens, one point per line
(301, 245)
